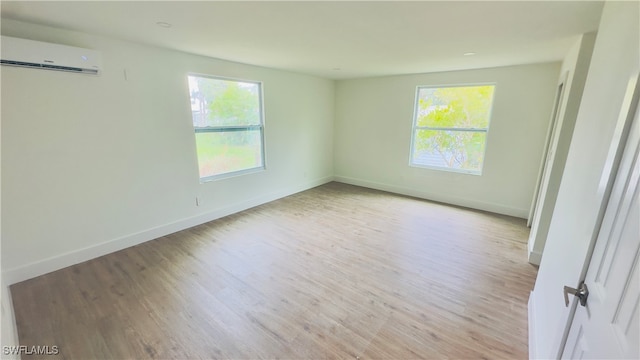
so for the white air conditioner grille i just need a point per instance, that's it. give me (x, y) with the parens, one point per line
(39, 55)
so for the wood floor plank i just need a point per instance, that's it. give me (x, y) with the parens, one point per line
(334, 272)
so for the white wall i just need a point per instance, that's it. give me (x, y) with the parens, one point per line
(573, 75)
(373, 127)
(615, 61)
(93, 164)
(8, 331)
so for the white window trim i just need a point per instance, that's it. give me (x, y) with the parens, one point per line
(228, 128)
(414, 127)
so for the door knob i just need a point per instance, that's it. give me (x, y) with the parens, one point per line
(582, 292)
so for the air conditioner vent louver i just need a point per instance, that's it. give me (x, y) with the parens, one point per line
(46, 56)
(47, 66)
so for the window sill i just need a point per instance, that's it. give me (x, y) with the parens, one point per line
(446, 169)
(232, 174)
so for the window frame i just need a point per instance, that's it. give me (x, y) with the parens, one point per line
(414, 128)
(232, 128)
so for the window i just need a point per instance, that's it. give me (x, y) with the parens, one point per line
(450, 127)
(228, 123)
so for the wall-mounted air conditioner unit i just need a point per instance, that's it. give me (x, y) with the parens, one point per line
(41, 55)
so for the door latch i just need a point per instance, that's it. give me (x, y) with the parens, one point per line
(582, 292)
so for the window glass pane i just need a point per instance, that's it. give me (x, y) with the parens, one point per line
(463, 150)
(227, 120)
(454, 107)
(225, 152)
(218, 102)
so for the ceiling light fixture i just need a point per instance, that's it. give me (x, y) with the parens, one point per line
(469, 54)
(163, 24)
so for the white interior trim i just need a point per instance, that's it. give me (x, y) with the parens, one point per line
(535, 257)
(54, 263)
(479, 205)
(9, 327)
(532, 332)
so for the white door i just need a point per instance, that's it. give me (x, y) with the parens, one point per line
(608, 326)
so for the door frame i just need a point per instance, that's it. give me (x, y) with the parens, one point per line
(561, 90)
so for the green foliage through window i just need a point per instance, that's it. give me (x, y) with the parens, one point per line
(227, 118)
(450, 127)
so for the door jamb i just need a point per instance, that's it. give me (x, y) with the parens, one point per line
(561, 90)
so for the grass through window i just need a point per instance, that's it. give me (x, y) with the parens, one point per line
(228, 123)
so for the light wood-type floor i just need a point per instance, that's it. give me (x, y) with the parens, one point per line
(333, 272)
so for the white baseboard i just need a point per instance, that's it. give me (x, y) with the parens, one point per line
(535, 257)
(532, 331)
(479, 205)
(9, 330)
(34, 269)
